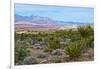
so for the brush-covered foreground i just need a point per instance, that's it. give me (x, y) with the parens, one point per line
(60, 46)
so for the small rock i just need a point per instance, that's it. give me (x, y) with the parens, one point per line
(57, 52)
(44, 61)
(43, 55)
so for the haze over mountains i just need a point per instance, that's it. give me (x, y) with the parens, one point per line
(38, 22)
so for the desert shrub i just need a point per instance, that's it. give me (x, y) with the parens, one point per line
(22, 36)
(91, 41)
(74, 35)
(39, 38)
(52, 45)
(47, 49)
(61, 33)
(74, 51)
(56, 59)
(20, 53)
(17, 36)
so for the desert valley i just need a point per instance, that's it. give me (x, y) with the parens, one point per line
(40, 40)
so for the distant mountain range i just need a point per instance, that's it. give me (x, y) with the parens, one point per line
(41, 23)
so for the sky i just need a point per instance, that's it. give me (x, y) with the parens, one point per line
(58, 13)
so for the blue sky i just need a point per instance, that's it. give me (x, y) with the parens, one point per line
(68, 14)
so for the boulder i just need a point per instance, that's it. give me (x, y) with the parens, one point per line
(30, 60)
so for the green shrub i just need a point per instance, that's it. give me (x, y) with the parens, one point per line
(56, 59)
(52, 45)
(74, 51)
(20, 53)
